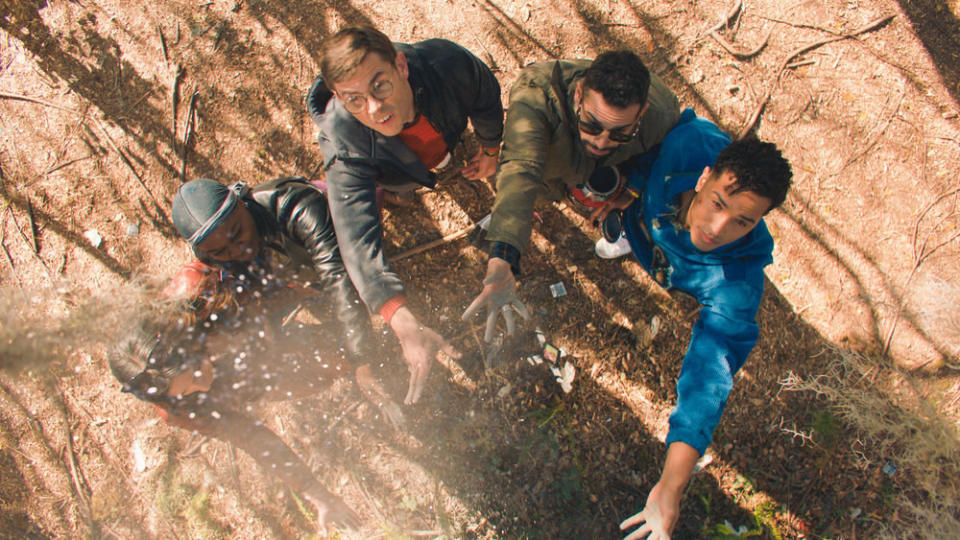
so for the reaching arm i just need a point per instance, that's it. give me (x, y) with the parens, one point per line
(662, 510)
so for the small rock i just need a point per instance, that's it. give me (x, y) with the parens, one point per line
(133, 229)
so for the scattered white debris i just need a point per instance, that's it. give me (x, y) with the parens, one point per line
(703, 463)
(565, 376)
(654, 327)
(93, 236)
(139, 459)
(505, 391)
(558, 289)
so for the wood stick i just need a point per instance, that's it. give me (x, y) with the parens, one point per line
(438, 242)
(872, 25)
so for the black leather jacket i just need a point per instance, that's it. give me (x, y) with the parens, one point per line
(449, 86)
(293, 219)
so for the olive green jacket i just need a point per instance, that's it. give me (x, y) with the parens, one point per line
(542, 153)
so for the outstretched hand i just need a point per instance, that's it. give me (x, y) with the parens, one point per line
(657, 519)
(331, 510)
(499, 297)
(420, 346)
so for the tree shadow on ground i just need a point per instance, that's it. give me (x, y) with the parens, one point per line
(937, 26)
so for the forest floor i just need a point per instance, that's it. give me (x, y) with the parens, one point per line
(842, 423)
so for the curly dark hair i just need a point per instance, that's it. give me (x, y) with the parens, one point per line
(620, 77)
(758, 167)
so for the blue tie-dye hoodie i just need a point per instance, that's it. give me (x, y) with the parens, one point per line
(727, 281)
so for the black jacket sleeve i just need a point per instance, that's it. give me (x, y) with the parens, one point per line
(303, 214)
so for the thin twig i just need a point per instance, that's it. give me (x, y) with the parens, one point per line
(139, 101)
(126, 161)
(163, 44)
(873, 140)
(56, 168)
(725, 21)
(438, 242)
(800, 25)
(76, 474)
(220, 30)
(188, 133)
(20, 97)
(3, 234)
(801, 63)
(175, 97)
(29, 244)
(739, 53)
(919, 256)
(873, 25)
(33, 234)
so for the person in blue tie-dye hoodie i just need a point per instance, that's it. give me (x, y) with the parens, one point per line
(692, 215)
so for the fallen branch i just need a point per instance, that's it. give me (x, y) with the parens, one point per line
(873, 25)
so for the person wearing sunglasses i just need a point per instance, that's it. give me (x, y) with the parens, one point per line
(391, 116)
(692, 215)
(566, 120)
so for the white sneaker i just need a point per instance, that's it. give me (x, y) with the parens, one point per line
(608, 250)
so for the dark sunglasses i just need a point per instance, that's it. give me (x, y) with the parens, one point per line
(592, 128)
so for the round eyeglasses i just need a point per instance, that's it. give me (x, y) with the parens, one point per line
(379, 91)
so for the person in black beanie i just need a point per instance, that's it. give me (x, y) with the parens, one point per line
(262, 254)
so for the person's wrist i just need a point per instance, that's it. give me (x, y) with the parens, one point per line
(404, 323)
(506, 252)
(491, 151)
(390, 307)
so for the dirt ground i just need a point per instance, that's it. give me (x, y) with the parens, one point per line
(107, 105)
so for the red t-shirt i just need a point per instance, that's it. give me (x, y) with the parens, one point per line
(426, 142)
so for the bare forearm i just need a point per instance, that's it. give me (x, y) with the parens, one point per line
(681, 459)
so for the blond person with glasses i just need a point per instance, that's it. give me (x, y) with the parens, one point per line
(390, 115)
(566, 120)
